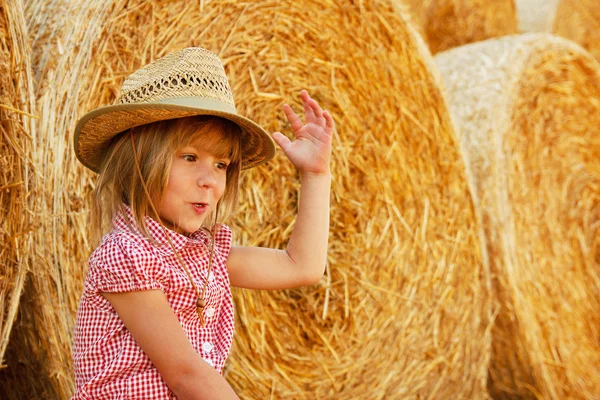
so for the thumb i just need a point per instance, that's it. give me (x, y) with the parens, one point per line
(282, 141)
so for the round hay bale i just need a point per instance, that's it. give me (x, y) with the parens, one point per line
(416, 10)
(404, 308)
(17, 184)
(579, 21)
(528, 108)
(452, 23)
(576, 20)
(61, 34)
(536, 15)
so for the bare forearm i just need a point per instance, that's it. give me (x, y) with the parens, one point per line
(204, 383)
(307, 247)
(303, 261)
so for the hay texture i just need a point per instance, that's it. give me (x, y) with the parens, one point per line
(452, 23)
(576, 20)
(416, 11)
(403, 310)
(536, 15)
(579, 21)
(17, 182)
(39, 355)
(528, 108)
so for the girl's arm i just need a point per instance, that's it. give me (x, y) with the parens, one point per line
(156, 329)
(303, 261)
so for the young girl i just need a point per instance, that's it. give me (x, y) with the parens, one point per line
(155, 320)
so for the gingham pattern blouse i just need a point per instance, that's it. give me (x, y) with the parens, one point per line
(108, 362)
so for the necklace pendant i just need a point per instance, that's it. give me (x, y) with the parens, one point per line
(200, 303)
(200, 316)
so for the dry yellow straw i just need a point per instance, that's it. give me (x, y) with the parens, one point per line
(17, 179)
(529, 112)
(452, 23)
(576, 20)
(38, 357)
(403, 310)
(536, 15)
(416, 10)
(579, 21)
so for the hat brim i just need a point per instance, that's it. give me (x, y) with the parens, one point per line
(96, 129)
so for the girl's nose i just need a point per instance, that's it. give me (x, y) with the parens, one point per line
(206, 177)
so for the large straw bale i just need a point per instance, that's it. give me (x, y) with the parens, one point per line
(579, 21)
(416, 10)
(528, 108)
(576, 20)
(17, 182)
(536, 15)
(39, 357)
(452, 23)
(404, 309)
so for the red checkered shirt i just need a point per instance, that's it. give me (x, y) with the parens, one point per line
(108, 362)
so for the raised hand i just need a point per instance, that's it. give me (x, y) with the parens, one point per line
(311, 151)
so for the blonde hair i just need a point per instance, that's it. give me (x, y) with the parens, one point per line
(155, 144)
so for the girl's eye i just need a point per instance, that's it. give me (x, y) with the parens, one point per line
(222, 165)
(189, 157)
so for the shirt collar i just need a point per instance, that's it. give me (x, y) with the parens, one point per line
(158, 233)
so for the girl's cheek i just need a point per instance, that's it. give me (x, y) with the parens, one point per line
(222, 191)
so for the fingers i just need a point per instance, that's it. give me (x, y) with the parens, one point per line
(308, 111)
(328, 121)
(313, 113)
(295, 121)
(311, 107)
(281, 140)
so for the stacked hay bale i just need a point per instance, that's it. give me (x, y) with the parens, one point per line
(579, 21)
(452, 23)
(404, 308)
(62, 34)
(536, 15)
(17, 184)
(528, 108)
(576, 20)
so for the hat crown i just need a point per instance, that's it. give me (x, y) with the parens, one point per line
(191, 72)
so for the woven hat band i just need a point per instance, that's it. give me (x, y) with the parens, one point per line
(207, 103)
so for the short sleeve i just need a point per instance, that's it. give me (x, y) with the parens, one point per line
(123, 265)
(223, 239)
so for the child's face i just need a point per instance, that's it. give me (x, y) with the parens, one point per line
(196, 183)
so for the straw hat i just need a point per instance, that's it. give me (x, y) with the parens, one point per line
(189, 82)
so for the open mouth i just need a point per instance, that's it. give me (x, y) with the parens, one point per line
(200, 207)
